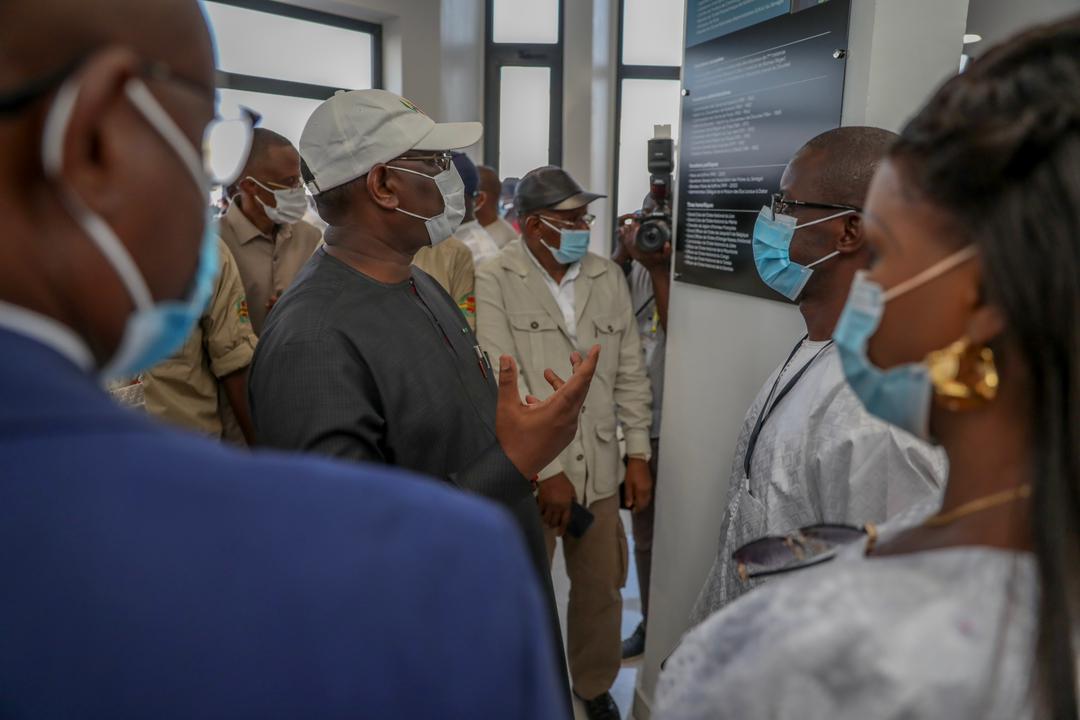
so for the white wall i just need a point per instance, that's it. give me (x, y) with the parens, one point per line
(433, 51)
(722, 346)
(589, 105)
(434, 55)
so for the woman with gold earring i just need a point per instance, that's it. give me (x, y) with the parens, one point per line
(966, 332)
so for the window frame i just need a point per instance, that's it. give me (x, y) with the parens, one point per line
(290, 88)
(500, 55)
(629, 72)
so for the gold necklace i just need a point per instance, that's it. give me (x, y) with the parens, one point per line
(1023, 492)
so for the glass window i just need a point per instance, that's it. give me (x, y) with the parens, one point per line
(644, 103)
(524, 119)
(283, 114)
(526, 21)
(652, 32)
(256, 43)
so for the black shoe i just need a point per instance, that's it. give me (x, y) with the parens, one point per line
(602, 707)
(634, 646)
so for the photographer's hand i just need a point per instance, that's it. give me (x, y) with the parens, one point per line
(625, 232)
(658, 264)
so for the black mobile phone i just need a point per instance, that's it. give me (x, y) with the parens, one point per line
(580, 520)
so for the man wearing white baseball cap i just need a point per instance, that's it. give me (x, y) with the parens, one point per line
(366, 357)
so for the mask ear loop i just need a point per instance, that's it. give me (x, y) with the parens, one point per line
(423, 175)
(934, 271)
(831, 255)
(557, 230)
(170, 131)
(52, 150)
(834, 253)
(560, 232)
(269, 190)
(842, 213)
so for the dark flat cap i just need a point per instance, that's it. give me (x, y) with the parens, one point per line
(550, 188)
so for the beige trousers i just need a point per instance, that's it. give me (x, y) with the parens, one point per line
(597, 564)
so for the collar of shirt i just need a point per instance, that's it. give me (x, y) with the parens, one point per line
(48, 332)
(246, 231)
(563, 292)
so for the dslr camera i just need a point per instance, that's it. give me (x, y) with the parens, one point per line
(654, 227)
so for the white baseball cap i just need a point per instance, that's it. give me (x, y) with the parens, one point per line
(354, 131)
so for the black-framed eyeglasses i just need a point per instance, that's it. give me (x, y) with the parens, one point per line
(442, 160)
(806, 546)
(783, 206)
(588, 219)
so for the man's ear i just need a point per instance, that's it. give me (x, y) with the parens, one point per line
(531, 225)
(382, 187)
(480, 199)
(851, 239)
(247, 186)
(90, 158)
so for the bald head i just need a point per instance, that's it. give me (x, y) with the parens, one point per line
(109, 153)
(172, 33)
(843, 162)
(169, 31)
(487, 198)
(264, 143)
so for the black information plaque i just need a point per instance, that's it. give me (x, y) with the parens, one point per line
(751, 98)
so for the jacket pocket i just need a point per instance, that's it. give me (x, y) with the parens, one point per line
(532, 333)
(608, 330)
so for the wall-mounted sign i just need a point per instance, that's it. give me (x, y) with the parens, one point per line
(752, 97)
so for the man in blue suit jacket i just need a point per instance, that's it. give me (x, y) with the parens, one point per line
(145, 573)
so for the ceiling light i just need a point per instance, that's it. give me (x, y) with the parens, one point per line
(972, 38)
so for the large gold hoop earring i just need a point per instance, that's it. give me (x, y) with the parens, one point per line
(964, 377)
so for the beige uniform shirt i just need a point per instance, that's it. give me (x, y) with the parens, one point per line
(502, 232)
(518, 315)
(451, 265)
(184, 390)
(267, 264)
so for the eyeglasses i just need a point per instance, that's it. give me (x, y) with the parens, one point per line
(270, 185)
(587, 219)
(782, 205)
(807, 546)
(442, 160)
(226, 140)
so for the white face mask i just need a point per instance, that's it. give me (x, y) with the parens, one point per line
(291, 204)
(440, 227)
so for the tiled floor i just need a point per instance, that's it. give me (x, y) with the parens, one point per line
(623, 691)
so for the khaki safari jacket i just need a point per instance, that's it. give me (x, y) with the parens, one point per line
(451, 265)
(267, 265)
(517, 315)
(185, 389)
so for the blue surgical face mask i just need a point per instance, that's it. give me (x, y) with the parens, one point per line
(772, 252)
(573, 244)
(155, 329)
(901, 395)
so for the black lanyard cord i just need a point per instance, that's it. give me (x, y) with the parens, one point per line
(767, 408)
(646, 304)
